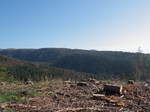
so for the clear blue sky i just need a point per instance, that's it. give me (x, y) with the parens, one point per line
(86, 24)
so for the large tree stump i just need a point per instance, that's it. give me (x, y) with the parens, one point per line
(113, 89)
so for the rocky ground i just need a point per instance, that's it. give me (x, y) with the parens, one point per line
(70, 96)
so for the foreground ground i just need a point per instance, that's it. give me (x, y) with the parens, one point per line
(68, 96)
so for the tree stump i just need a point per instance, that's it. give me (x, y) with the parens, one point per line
(113, 89)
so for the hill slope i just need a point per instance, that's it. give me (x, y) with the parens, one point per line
(12, 69)
(102, 63)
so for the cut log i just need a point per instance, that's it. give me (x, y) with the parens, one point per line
(111, 99)
(113, 89)
(98, 97)
(43, 89)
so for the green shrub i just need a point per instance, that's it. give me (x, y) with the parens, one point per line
(18, 95)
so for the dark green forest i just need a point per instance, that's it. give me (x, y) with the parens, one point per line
(14, 70)
(48, 63)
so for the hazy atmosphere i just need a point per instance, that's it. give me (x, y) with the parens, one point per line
(119, 25)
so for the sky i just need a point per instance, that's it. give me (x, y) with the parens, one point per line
(118, 25)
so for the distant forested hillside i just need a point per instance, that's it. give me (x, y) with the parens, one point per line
(14, 70)
(101, 63)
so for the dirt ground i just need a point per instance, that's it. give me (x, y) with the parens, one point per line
(70, 96)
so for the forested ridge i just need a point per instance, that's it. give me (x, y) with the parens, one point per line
(101, 64)
(15, 70)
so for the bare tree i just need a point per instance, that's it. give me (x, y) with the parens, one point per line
(139, 64)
